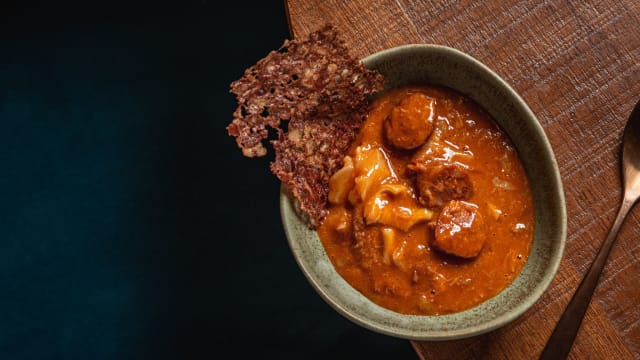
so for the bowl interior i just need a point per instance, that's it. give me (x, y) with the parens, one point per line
(415, 64)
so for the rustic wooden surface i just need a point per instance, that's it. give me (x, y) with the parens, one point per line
(577, 64)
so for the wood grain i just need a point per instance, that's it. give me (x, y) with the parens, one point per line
(577, 64)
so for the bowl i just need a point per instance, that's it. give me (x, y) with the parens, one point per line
(433, 64)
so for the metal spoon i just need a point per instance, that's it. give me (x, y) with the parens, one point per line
(561, 339)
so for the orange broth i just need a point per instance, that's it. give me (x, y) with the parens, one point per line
(380, 229)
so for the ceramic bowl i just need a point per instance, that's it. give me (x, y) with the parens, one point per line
(432, 64)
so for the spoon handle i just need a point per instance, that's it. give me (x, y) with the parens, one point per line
(561, 339)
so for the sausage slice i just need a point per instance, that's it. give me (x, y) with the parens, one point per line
(410, 122)
(442, 182)
(460, 230)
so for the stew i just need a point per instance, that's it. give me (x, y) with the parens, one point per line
(431, 212)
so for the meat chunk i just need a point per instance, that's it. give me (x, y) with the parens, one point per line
(410, 122)
(460, 230)
(441, 182)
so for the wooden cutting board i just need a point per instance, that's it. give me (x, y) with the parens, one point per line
(577, 64)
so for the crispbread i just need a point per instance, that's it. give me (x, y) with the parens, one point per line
(321, 92)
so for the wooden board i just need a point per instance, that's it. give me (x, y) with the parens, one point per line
(577, 64)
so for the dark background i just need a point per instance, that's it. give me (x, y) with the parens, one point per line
(130, 225)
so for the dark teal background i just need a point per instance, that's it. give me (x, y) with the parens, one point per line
(130, 225)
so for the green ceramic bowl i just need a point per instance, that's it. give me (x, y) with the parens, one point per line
(410, 64)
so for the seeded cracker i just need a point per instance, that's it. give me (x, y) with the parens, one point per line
(321, 92)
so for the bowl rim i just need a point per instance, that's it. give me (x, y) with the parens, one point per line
(500, 320)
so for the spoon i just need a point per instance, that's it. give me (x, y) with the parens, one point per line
(561, 339)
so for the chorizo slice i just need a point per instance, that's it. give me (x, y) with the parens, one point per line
(442, 182)
(460, 230)
(410, 122)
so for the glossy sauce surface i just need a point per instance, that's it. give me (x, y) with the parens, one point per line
(429, 224)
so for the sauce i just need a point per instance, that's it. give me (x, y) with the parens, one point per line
(432, 212)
